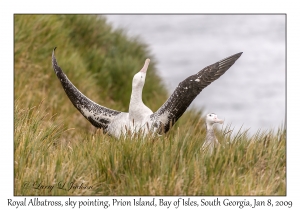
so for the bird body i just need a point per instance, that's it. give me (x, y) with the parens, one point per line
(211, 140)
(140, 118)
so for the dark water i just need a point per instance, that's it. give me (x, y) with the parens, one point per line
(252, 92)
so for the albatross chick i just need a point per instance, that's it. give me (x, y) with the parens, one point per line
(211, 140)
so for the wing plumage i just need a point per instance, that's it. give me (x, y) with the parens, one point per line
(186, 92)
(98, 115)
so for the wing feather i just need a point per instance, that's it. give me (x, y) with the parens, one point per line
(187, 91)
(97, 115)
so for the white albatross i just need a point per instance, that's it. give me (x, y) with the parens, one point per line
(140, 117)
(211, 140)
(138, 111)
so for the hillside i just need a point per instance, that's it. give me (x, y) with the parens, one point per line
(54, 143)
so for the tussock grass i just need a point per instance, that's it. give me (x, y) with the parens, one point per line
(55, 146)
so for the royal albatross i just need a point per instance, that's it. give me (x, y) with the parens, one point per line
(111, 121)
(211, 140)
(138, 111)
(116, 123)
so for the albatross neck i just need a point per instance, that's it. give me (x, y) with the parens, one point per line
(136, 96)
(209, 126)
(136, 105)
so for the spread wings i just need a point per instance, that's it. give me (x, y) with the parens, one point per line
(98, 115)
(187, 91)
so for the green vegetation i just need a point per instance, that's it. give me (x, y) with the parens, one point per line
(54, 144)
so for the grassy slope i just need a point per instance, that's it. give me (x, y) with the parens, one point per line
(53, 143)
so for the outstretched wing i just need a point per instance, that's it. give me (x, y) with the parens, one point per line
(187, 91)
(98, 115)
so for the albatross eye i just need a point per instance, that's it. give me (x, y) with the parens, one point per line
(209, 115)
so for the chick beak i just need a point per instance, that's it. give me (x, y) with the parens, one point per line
(217, 120)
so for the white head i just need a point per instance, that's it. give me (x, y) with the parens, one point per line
(211, 119)
(139, 78)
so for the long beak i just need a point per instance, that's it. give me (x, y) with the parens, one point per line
(217, 120)
(144, 69)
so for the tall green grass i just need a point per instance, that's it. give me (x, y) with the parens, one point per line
(54, 144)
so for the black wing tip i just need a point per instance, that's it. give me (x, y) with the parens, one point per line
(230, 59)
(239, 54)
(53, 56)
